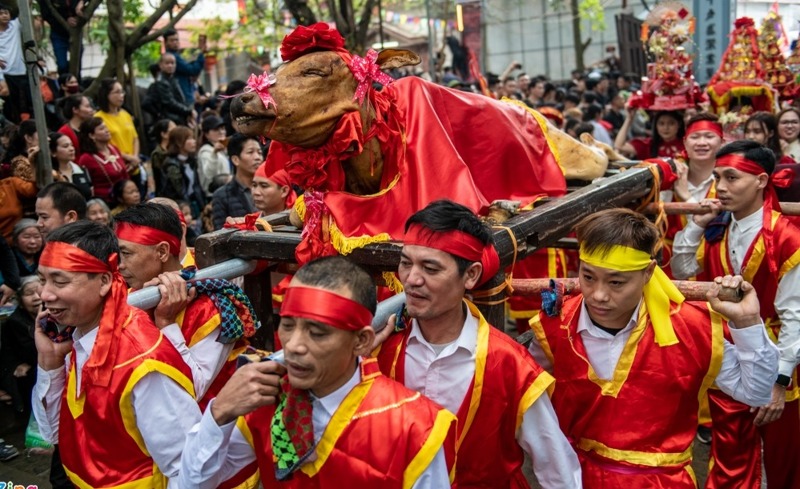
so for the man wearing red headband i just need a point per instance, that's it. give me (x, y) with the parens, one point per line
(121, 402)
(632, 359)
(338, 421)
(695, 179)
(449, 353)
(753, 238)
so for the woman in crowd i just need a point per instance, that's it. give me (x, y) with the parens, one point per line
(22, 150)
(101, 159)
(212, 158)
(27, 245)
(178, 178)
(125, 194)
(159, 135)
(76, 109)
(65, 169)
(97, 211)
(789, 132)
(666, 142)
(762, 127)
(110, 99)
(18, 355)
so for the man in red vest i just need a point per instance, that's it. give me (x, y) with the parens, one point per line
(338, 422)
(448, 352)
(117, 397)
(631, 359)
(746, 234)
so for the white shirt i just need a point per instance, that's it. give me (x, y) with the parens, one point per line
(205, 358)
(11, 50)
(747, 372)
(216, 453)
(741, 235)
(211, 163)
(164, 410)
(445, 380)
(696, 193)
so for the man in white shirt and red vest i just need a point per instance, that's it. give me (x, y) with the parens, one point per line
(746, 234)
(632, 358)
(338, 422)
(448, 352)
(117, 397)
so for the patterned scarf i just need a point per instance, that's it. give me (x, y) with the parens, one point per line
(239, 319)
(292, 431)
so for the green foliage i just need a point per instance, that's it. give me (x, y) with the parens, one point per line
(592, 10)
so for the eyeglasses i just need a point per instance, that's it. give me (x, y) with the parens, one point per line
(116, 92)
(790, 123)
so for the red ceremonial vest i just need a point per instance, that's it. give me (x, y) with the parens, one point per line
(197, 321)
(506, 383)
(645, 418)
(714, 259)
(382, 436)
(100, 443)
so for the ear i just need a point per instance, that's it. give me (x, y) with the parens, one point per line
(365, 338)
(472, 274)
(284, 191)
(105, 283)
(235, 160)
(648, 272)
(162, 251)
(71, 217)
(396, 58)
(763, 180)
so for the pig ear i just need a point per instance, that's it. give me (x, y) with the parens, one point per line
(395, 58)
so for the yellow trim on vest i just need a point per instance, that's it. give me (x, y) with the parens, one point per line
(754, 262)
(155, 481)
(723, 251)
(188, 259)
(522, 314)
(538, 331)
(688, 468)
(205, 330)
(646, 459)
(74, 402)
(700, 255)
(277, 298)
(541, 384)
(481, 352)
(235, 352)
(623, 367)
(340, 420)
(126, 402)
(717, 349)
(429, 449)
(792, 262)
(241, 423)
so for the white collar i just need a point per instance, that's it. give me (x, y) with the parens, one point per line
(85, 341)
(751, 221)
(331, 402)
(585, 323)
(467, 339)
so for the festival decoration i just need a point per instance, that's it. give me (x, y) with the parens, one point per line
(740, 79)
(775, 70)
(670, 83)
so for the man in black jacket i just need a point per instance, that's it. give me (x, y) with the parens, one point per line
(165, 96)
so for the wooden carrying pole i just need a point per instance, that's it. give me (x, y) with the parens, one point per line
(693, 291)
(673, 208)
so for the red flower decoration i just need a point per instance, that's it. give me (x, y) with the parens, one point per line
(744, 22)
(317, 37)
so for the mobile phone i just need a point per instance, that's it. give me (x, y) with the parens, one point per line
(55, 331)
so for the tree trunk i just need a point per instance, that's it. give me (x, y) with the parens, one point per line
(116, 35)
(576, 34)
(75, 50)
(301, 12)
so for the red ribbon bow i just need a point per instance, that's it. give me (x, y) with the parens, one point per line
(783, 178)
(365, 70)
(260, 84)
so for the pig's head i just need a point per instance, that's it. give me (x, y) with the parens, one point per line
(311, 91)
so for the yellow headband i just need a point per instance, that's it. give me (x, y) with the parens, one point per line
(658, 291)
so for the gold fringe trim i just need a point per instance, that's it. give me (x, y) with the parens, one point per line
(723, 100)
(392, 282)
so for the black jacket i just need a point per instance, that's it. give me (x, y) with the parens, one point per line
(165, 100)
(230, 200)
(172, 181)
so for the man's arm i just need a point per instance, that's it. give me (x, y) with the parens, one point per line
(184, 68)
(435, 475)
(687, 240)
(787, 305)
(750, 366)
(205, 358)
(52, 360)
(554, 461)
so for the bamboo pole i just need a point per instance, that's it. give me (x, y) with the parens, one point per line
(676, 208)
(693, 291)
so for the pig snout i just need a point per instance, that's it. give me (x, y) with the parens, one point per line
(250, 115)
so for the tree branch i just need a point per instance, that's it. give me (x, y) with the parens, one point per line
(363, 24)
(61, 20)
(138, 38)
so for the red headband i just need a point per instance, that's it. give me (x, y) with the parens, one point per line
(65, 256)
(326, 307)
(116, 311)
(711, 126)
(147, 236)
(740, 163)
(456, 243)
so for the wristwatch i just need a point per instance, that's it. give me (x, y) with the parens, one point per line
(783, 380)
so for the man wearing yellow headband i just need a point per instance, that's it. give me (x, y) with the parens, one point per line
(447, 351)
(338, 422)
(117, 398)
(746, 234)
(631, 358)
